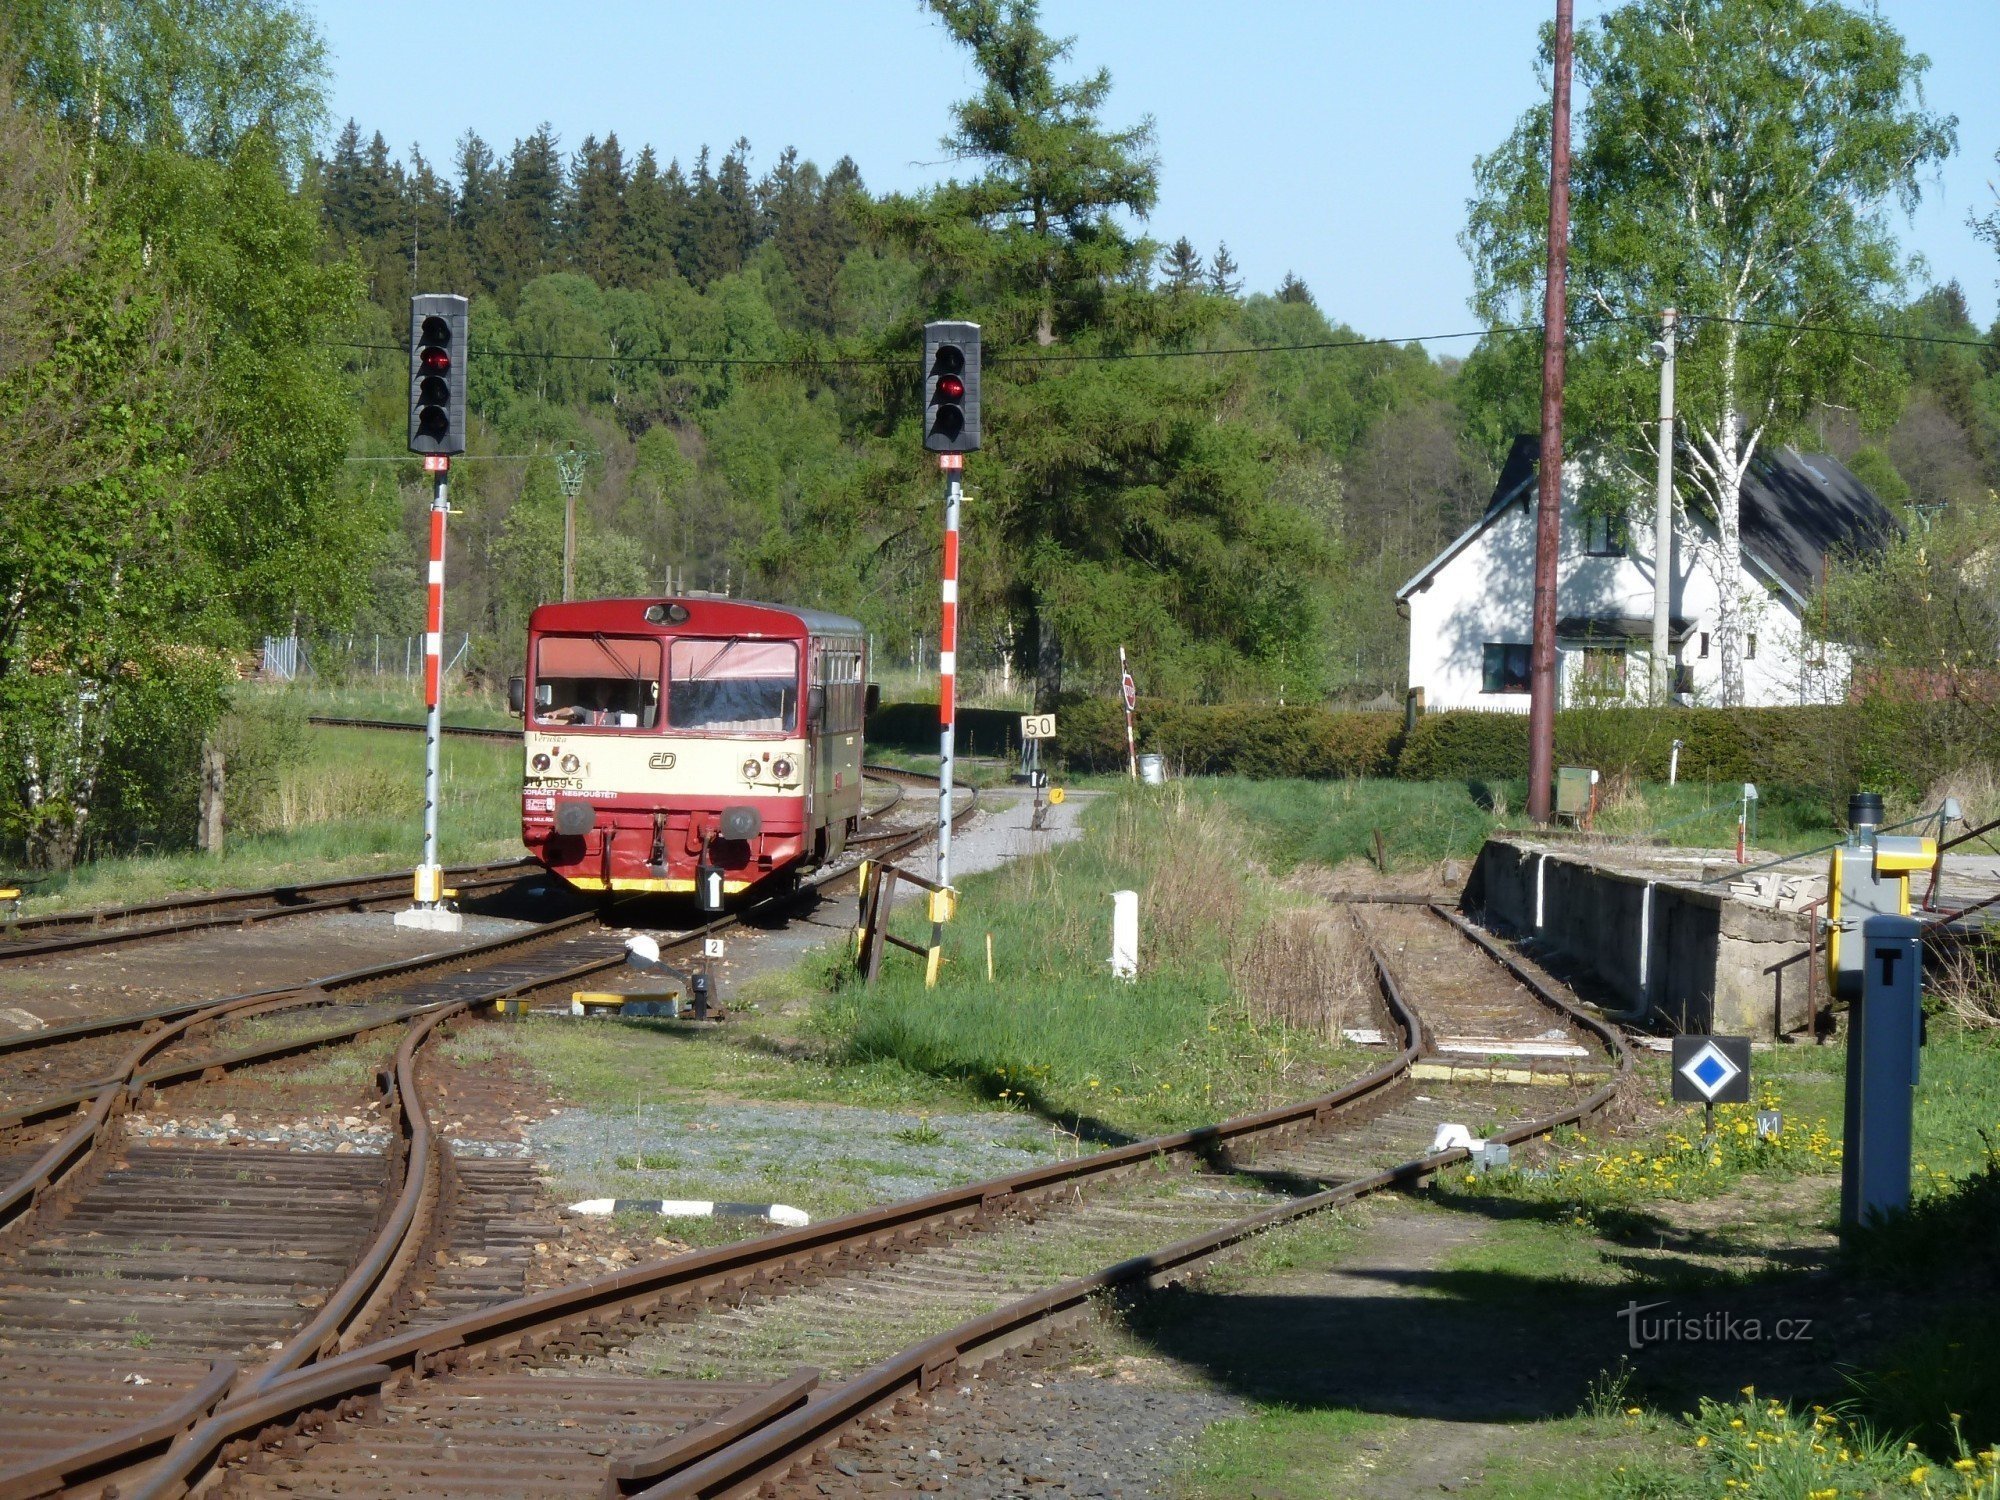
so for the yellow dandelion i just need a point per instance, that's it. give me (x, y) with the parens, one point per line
(1919, 1474)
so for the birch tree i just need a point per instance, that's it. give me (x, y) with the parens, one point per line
(1737, 160)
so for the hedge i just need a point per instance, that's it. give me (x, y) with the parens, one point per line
(1894, 746)
(1259, 740)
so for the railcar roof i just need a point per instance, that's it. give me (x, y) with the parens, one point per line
(705, 614)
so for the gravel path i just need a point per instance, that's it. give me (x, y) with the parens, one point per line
(800, 1154)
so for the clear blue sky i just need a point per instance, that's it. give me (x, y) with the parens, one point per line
(1334, 139)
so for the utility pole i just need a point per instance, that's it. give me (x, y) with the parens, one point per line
(1663, 521)
(1548, 495)
(569, 474)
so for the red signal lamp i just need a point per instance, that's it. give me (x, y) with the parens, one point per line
(951, 388)
(434, 360)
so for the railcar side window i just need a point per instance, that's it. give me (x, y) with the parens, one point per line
(733, 687)
(597, 682)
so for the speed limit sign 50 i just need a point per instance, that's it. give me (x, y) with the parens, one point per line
(1038, 726)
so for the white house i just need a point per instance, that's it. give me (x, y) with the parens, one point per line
(1470, 607)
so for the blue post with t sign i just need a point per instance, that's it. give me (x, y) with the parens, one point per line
(1884, 1031)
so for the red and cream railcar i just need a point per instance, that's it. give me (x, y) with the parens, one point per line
(693, 745)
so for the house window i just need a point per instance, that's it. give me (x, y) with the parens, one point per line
(1602, 671)
(1750, 647)
(1604, 536)
(1506, 668)
(1703, 652)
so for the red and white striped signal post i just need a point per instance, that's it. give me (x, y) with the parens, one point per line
(951, 430)
(437, 430)
(1129, 691)
(953, 467)
(430, 910)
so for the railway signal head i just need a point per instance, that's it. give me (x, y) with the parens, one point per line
(951, 387)
(437, 374)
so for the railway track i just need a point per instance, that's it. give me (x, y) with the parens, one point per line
(137, 1232)
(665, 1379)
(58, 933)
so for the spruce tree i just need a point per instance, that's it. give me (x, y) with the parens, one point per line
(478, 213)
(595, 221)
(529, 242)
(1222, 269)
(1183, 266)
(653, 208)
(1053, 182)
(1291, 289)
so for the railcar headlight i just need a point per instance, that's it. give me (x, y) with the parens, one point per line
(782, 768)
(569, 765)
(752, 769)
(541, 761)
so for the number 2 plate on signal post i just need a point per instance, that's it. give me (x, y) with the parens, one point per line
(1038, 726)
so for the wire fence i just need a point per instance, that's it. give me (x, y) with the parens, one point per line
(291, 658)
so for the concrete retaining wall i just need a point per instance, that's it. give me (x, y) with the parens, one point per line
(1708, 962)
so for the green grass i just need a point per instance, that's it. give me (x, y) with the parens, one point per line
(391, 697)
(1054, 1032)
(1422, 822)
(353, 804)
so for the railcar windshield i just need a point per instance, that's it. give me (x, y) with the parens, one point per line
(597, 681)
(733, 686)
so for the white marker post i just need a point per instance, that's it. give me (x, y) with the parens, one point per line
(1125, 935)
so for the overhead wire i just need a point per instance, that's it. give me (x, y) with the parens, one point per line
(811, 363)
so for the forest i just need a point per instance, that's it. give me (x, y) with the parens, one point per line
(203, 370)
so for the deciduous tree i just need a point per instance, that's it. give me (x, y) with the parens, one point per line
(1734, 159)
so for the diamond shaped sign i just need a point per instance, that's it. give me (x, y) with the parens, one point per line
(1711, 1069)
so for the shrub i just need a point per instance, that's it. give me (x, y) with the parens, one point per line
(1255, 740)
(1456, 745)
(1825, 750)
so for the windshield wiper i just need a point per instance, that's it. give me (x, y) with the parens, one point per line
(604, 645)
(714, 661)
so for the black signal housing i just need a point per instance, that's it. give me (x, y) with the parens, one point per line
(951, 387)
(437, 373)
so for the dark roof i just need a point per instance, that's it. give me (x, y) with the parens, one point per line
(1800, 509)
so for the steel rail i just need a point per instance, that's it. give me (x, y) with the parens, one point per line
(233, 910)
(370, 1285)
(45, 1476)
(363, 1295)
(467, 731)
(74, 1148)
(564, 1317)
(767, 1453)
